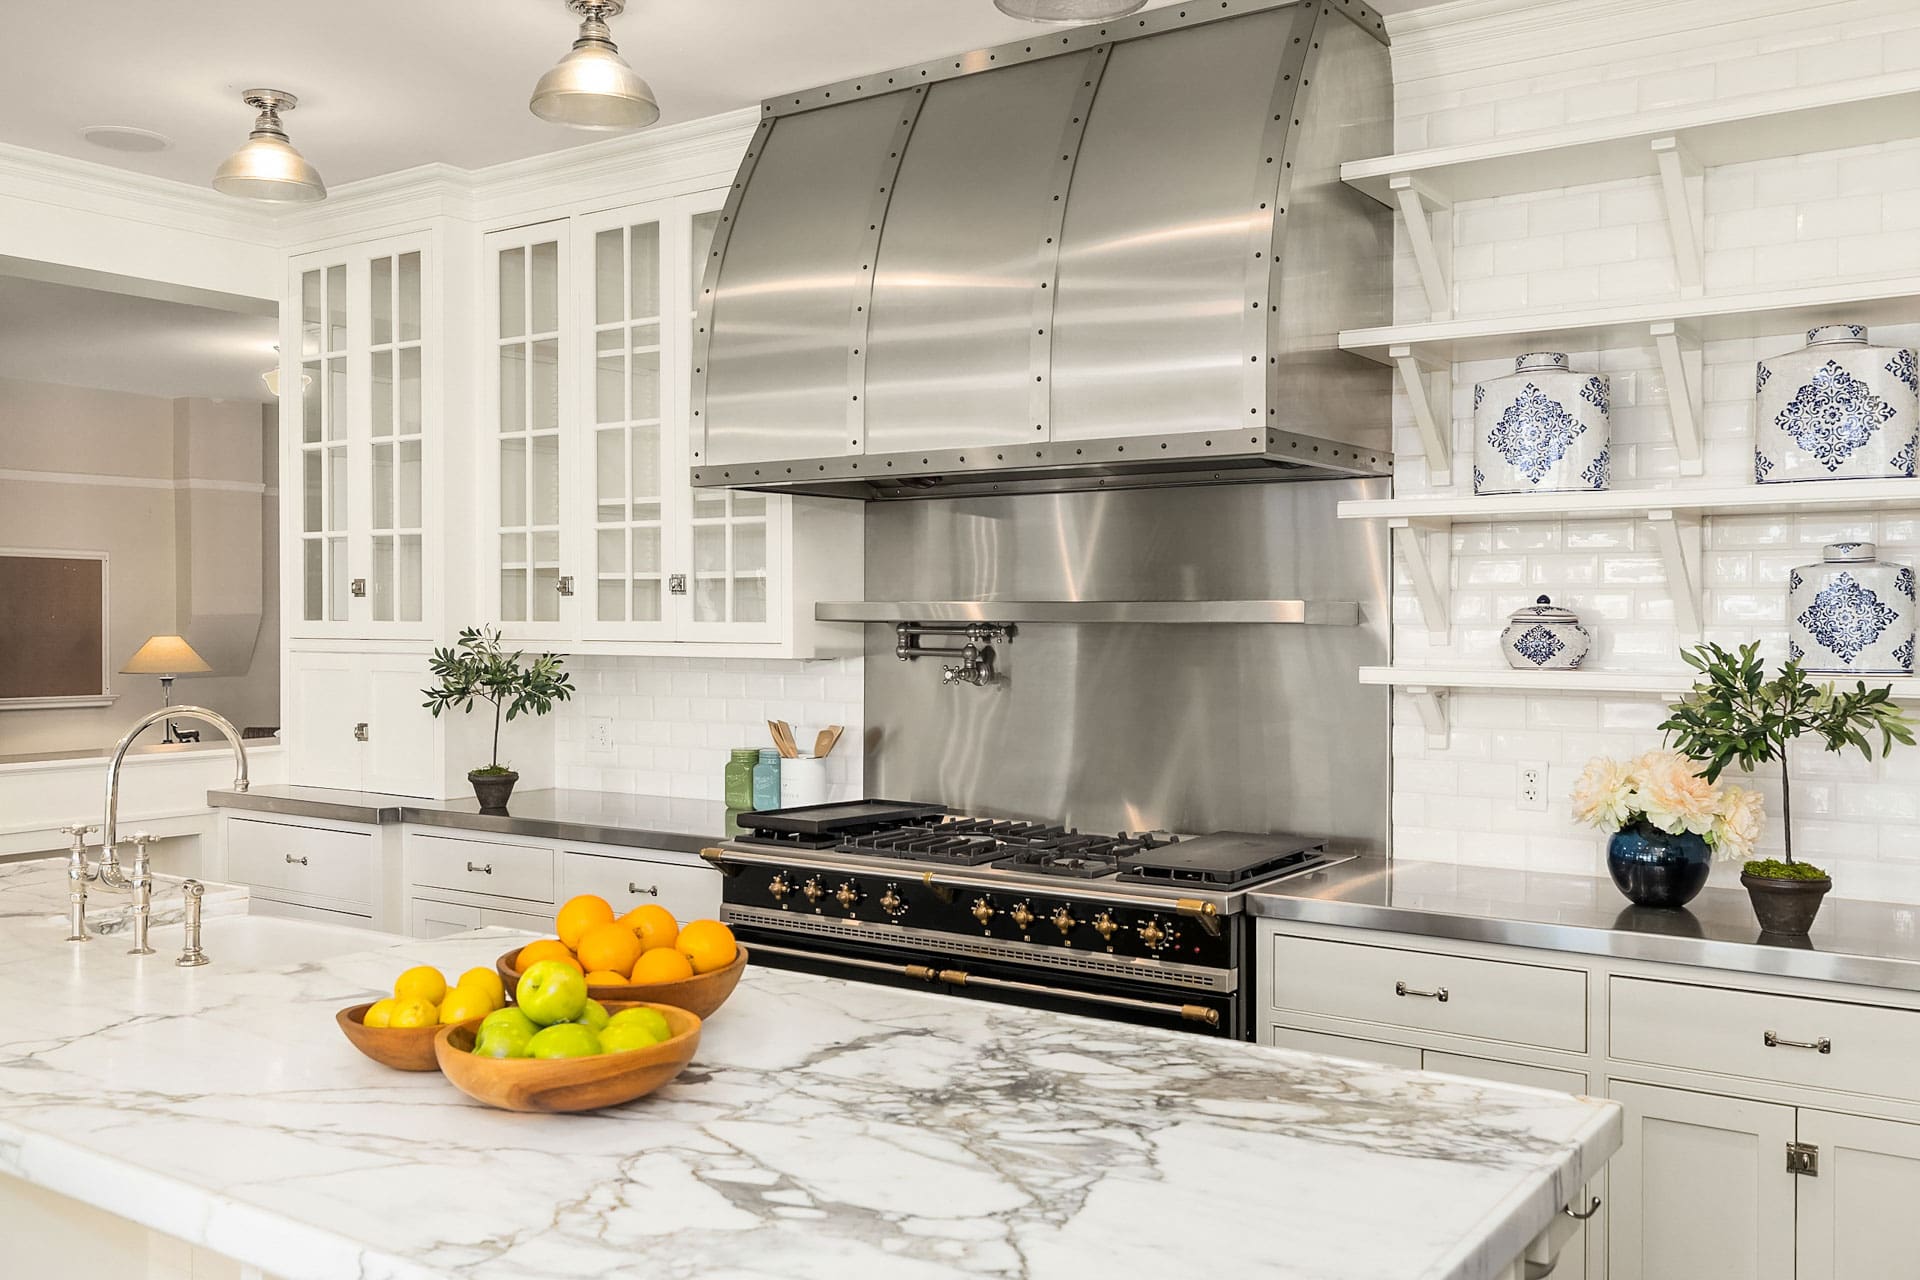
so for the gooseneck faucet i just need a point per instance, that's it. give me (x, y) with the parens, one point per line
(140, 884)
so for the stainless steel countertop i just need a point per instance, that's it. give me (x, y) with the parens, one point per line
(593, 817)
(1874, 944)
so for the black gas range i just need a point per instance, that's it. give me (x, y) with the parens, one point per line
(1145, 927)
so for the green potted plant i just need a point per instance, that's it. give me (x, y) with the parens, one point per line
(1736, 715)
(477, 666)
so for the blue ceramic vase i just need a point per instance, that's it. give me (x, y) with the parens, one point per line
(1655, 869)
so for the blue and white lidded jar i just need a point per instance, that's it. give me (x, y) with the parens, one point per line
(1850, 614)
(1541, 429)
(1837, 409)
(1545, 637)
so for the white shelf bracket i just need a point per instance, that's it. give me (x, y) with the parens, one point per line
(1431, 703)
(1678, 533)
(1680, 363)
(1428, 218)
(1426, 546)
(1680, 192)
(1429, 390)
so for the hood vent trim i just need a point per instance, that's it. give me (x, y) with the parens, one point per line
(859, 323)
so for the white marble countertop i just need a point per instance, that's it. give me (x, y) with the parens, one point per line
(825, 1130)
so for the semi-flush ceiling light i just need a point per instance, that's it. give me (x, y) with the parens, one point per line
(1064, 11)
(266, 167)
(593, 87)
(272, 377)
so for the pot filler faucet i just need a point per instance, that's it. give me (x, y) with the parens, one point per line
(106, 871)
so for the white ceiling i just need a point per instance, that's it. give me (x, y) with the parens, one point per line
(390, 84)
(115, 342)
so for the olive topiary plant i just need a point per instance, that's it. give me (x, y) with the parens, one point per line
(479, 667)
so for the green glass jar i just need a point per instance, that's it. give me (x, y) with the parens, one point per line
(740, 777)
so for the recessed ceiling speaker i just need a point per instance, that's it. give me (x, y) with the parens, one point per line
(124, 137)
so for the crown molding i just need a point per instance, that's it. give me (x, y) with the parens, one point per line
(709, 144)
(47, 178)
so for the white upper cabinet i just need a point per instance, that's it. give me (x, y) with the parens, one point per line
(358, 362)
(596, 538)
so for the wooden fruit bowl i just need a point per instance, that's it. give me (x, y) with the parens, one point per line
(701, 995)
(402, 1048)
(567, 1084)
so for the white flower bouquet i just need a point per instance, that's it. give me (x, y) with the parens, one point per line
(1665, 791)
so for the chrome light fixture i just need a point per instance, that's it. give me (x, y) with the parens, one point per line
(593, 87)
(266, 167)
(1066, 11)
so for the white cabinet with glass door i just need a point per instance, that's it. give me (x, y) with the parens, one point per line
(601, 541)
(361, 357)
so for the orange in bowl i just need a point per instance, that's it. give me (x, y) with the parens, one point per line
(653, 924)
(662, 964)
(581, 913)
(609, 948)
(545, 949)
(707, 944)
(606, 978)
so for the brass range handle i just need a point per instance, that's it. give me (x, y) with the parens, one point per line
(300, 861)
(1772, 1041)
(1438, 993)
(485, 871)
(653, 890)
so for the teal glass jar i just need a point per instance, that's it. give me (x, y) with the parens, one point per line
(766, 780)
(739, 777)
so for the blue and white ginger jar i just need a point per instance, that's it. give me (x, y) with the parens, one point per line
(1837, 409)
(1541, 429)
(1850, 614)
(1545, 637)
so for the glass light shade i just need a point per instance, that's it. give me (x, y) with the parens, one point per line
(1068, 11)
(164, 656)
(272, 378)
(266, 167)
(594, 88)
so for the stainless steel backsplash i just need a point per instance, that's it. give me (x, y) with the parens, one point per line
(1188, 728)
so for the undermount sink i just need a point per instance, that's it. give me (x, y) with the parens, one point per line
(258, 942)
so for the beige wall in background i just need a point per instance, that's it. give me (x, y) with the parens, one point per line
(191, 546)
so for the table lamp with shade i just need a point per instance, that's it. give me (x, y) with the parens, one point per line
(166, 657)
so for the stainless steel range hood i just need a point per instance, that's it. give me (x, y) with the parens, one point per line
(1100, 259)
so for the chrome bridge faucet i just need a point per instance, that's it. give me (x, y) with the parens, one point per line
(106, 872)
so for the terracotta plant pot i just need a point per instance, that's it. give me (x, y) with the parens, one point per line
(492, 789)
(1786, 906)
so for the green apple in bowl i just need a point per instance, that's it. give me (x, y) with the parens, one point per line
(551, 992)
(564, 1040)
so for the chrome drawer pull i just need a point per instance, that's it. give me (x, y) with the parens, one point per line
(486, 870)
(1438, 993)
(1582, 1217)
(301, 861)
(652, 890)
(1772, 1041)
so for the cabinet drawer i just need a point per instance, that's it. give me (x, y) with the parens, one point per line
(478, 866)
(691, 892)
(262, 906)
(1868, 1049)
(1520, 1073)
(1392, 1055)
(1487, 999)
(431, 919)
(314, 861)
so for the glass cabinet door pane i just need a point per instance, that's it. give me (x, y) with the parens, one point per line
(643, 262)
(546, 287)
(382, 271)
(527, 427)
(382, 394)
(336, 339)
(513, 292)
(609, 268)
(410, 297)
(395, 371)
(310, 336)
(629, 462)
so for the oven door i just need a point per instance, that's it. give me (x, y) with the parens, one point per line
(1206, 1012)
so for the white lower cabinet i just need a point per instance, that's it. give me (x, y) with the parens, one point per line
(687, 887)
(334, 868)
(1700, 1188)
(428, 918)
(1770, 1123)
(355, 722)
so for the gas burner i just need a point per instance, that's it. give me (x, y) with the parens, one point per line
(1048, 863)
(926, 844)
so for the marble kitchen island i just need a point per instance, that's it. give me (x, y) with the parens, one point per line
(825, 1129)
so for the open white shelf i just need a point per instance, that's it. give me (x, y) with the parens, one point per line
(1429, 687)
(1423, 527)
(1673, 145)
(1728, 131)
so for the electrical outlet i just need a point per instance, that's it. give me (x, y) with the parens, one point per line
(1532, 793)
(600, 735)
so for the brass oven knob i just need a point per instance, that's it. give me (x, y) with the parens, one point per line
(812, 889)
(1104, 926)
(1063, 920)
(982, 910)
(1152, 936)
(892, 903)
(779, 887)
(1021, 916)
(847, 894)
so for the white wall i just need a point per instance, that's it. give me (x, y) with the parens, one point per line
(1476, 71)
(675, 719)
